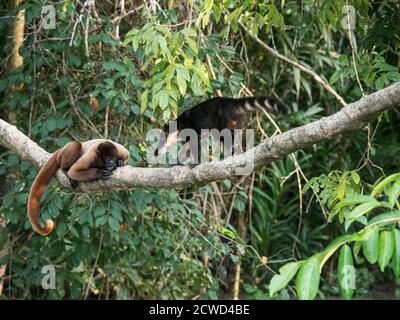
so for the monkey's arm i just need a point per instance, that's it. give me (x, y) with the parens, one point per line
(83, 170)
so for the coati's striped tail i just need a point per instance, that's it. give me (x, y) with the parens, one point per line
(251, 104)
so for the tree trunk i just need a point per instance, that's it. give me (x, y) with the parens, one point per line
(16, 61)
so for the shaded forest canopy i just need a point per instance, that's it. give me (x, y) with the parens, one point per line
(320, 201)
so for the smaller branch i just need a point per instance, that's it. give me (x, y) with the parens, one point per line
(190, 14)
(210, 66)
(95, 13)
(94, 266)
(297, 65)
(241, 230)
(353, 50)
(106, 122)
(353, 55)
(236, 283)
(118, 19)
(86, 33)
(244, 87)
(126, 14)
(52, 104)
(122, 12)
(76, 23)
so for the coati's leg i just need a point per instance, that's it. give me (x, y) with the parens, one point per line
(190, 150)
(68, 155)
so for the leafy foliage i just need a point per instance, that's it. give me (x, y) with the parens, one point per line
(99, 73)
(377, 238)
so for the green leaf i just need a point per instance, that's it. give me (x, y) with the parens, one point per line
(114, 66)
(201, 72)
(117, 215)
(144, 100)
(61, 227)
(350, 201)
(362, 209)
(393, 76)
(356, 252)
(133, 276)
(99, 211)
(385, 218)
(332, 247)
(379, 187)
(307, 281)
(229, 233)
(192, 44)
(371, 246)
(346, 274)
(183, 72)
(113, 223)
(336, 76)
(384, 67)
(182, 76)
(342, 186)
(101, 220)
(380, 82)
(189, 32)
(396, 253)
(394, 193)
(164, 48)
(306, 85)
(164, 96)
(296, 74)
(364, 234)
(356, 177)
(386, 248)
(286, 273)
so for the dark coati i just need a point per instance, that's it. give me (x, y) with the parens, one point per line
(218, 113)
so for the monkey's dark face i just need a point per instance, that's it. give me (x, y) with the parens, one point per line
(107, 156)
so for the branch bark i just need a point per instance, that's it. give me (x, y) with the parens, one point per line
(353, 117)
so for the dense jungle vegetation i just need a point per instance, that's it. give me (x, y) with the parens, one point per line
(322, 223)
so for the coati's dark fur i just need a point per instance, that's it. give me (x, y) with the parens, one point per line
(221, 113)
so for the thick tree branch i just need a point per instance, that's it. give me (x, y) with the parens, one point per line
(353, 117)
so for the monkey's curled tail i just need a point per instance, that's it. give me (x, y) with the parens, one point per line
(46, 173)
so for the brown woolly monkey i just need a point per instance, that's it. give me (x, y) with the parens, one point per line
(86, 161)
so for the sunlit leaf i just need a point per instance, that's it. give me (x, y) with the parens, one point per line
(286, 273)
(346, 274)
(371, 247)
(386, 248)
(307, 280)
